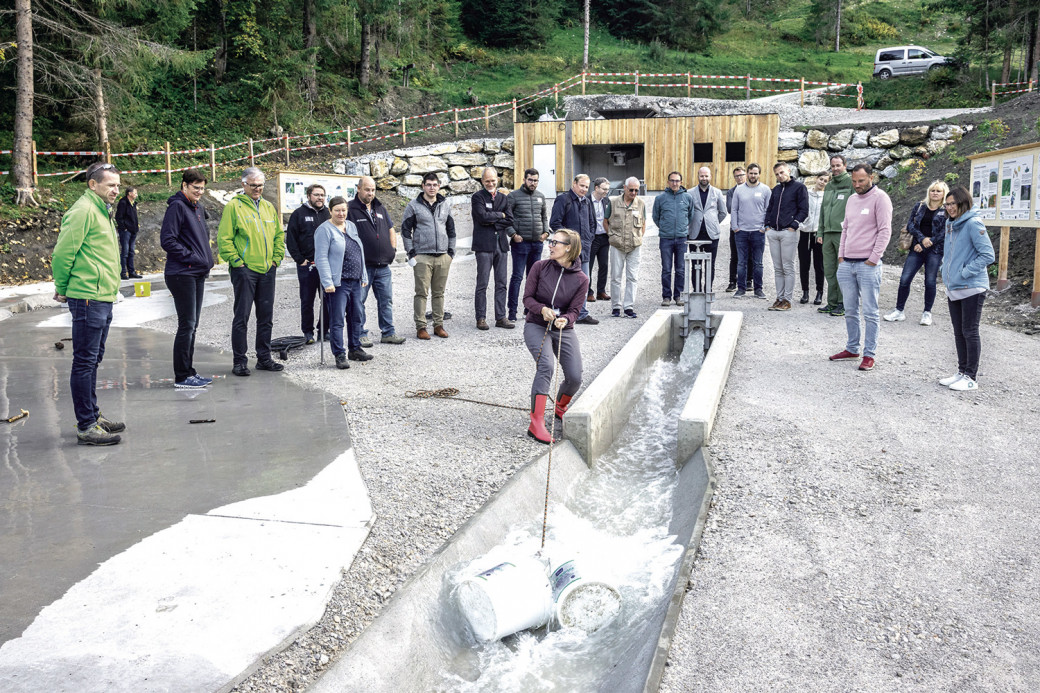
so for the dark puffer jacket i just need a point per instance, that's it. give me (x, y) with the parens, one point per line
(530, 214)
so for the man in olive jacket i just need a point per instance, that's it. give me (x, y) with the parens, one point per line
(625, 227)
(85, 266)
(252, 240)
(832, 213)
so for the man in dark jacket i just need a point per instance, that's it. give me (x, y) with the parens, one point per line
(787, 210)
(379, 240)
(530, 229)
(738, 179)
(126, 226)
(299, 241)
(492, 229)
(573, 210)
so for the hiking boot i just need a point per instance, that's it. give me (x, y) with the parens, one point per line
(838, 311)
(359, 355)
(505, 324)
(394, 339)
(96, 435)
(826, 309)
(844, 355)
(482, 324)
(665, 303)
(269, 365)
(341, 362)
(241, 369)
(895, 316)
(110, 426)
(732, 286)
(366, 342)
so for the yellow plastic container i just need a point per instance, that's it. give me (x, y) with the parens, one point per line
(142, 289)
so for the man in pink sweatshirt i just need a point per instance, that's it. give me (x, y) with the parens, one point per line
(864, 237)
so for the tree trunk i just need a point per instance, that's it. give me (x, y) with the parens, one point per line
(101, 111)
(585, 57)
(837, 29)
(310, 38)
(23, 109)
(366, 51)
(1035, 52)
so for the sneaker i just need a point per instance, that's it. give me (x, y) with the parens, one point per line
(965, 383)
(867, 363)
(760, 294)
(96, 435)
(392, 339)
(926, 318)
(207, 381)
(844, 355)
(775, 306)
(341, 362)
(826, 309)
(616, 313)
(946, 382)
(895, 316)
(629, 313)
(110, 426)
(838, 311)
(732, 286)
(136, 275)
(666, 302)
(366, 343)
(359, 355)
(680, 302)
(192, 382)
(588, 320)
(308, 339)
(270, 365)
(739, 293)
(784, 305)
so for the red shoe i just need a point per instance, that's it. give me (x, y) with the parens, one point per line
(561, 405)
(846, 355)
(537, 428)
(866, 364)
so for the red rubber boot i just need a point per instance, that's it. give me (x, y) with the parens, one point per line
(537, 428)
(561, 405)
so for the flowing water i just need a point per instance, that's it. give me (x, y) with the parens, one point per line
(614, 524)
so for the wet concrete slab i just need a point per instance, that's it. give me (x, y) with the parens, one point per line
(66, 509)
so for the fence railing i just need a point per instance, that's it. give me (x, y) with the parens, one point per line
(1001, 89)
(350, 137)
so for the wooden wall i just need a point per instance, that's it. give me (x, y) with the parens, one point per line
(667, 145)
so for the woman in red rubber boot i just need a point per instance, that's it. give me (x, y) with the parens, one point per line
(553, 296)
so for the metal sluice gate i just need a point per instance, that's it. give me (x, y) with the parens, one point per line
(698, 295)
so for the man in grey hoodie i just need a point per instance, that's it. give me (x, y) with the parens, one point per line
(748, 226)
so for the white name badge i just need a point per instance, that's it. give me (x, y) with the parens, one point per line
(308, 218)
(864, 211)
(489, 205)
(378, 215)
(758, 194)
(841, 197)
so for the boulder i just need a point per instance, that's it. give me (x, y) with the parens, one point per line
(884, 162)
(408, 192)
(869, 155)
(412, 180)
(840, 140)
(411, 152)
(791, 140)
(787, 155)
(443, 178)
(446, 148)
(464, 187)
(492, 146)
(399, 166)
(861, 139)
(476, 172)
(889, 172)
(380, 168)
(507, 179)
(915, 135)
(353, 167)
(425, 164)
(470, 146)
(813, 162)
(816, 139)
(387, 183)
(458, 173)
(504, 161)
(931, 148)
(947, 132)
(900, 151)
(509, 145)
(474, 159)
(886, 139)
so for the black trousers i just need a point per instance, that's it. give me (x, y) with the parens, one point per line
(810, 250)
(310, 286)
(600, 254)
(252, 288)
(187, 292)
(733, 262)
(965, 315)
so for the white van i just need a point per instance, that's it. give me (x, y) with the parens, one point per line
(905, 60)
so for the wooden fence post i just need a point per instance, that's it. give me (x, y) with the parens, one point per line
(1030, 87)
(349, 145)
(803, 92)
(456, 122)
(487, 119)
(1036, 271)
(108, 152)
(749, 87)
(169, 176)
(687, 85)
(993, 95)
(1002, 268)
(583, 84)
(404, 130)
(36, 171)
(251, 159)
(514, 110)
(287, 149)
(556, 93)
(212, 163)
(637, 82)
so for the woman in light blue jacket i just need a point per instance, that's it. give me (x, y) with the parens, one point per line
(967, 253)
(340, 259)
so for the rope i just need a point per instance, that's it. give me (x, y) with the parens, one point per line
(552, 431)
(450, 393)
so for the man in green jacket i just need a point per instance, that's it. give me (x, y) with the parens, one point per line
(252, 240)
(832, 212)
(85, 265)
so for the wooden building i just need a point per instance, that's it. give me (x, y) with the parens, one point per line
(647, 148)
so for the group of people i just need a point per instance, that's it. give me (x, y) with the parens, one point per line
(344, 248)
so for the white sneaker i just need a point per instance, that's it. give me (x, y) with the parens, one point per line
(895, 316)
(965, 383)
(926, 318)
(946, 382)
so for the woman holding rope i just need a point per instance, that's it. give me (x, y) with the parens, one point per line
(554, 294)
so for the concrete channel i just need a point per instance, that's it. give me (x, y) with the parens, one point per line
(408, 646)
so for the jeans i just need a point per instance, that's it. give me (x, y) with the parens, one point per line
(783, 249)
(600, 254)
(525, 254)
(584, 312)
(498, 260)
(673, 262)
(127, 244)
(733, 258)
(861, 285)
(187, 292)
(628, 263)
(931, 261)
(381, 282)
(809, 251)
(431, 276)
(965, 315)
(346, 306)
(831, 242)
(543, 347)
(750, 245)
(252, 288)
(90, 322)
(310, 286)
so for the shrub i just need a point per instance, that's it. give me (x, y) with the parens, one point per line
(951, 177)
(995, 128)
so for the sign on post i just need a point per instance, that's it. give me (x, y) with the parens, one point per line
(292, 188)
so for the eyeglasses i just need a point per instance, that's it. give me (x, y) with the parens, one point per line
(553, 242)
(632, 189)
(255, 186)
(950, 205)
(197, 188)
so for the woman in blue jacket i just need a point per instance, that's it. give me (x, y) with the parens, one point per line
(967, 254)
(927, 225)
(340, 259)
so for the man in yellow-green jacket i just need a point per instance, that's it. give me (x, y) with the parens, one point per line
(252, 240)
(85, 265)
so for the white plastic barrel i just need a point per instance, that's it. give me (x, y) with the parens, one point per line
(582, 603)
(506, 599)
